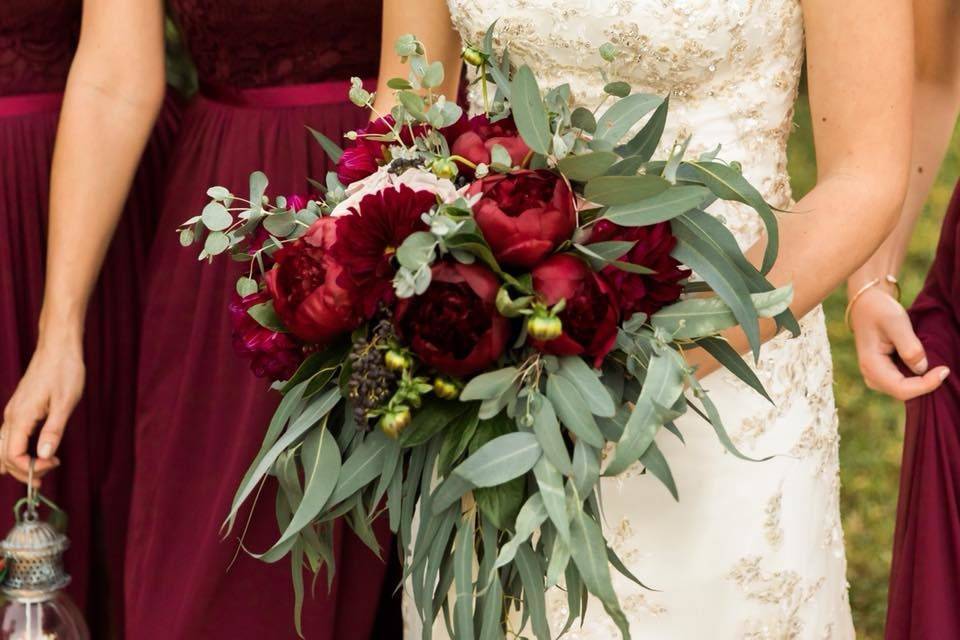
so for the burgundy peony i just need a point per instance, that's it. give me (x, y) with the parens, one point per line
(474, 139)
(305, 290)
(524, 215)
(590, 317)
(368, 237)
(454, 326)
(644, 293)
(272, 355)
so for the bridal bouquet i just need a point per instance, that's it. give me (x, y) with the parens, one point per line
(476, 321)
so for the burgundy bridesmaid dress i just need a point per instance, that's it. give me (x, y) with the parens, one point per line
(37, 41)
(267, 68)
(924, 598)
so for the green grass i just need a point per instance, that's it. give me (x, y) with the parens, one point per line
(871, 425)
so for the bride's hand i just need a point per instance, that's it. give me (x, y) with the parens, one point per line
(881, 329)
(47, 393)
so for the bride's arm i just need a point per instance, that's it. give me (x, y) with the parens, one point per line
(429, 21)
(114, 92)
(860, 73)
(880, 324)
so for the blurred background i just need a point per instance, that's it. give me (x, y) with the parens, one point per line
(871, 425)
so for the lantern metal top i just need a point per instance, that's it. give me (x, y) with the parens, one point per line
(33, 550)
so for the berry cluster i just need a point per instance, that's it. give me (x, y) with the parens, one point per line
(371, 382)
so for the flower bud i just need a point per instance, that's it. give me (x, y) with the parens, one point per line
(394, 422)
(473, 56)
(446, 388)
(444, 168)
(397, 360)
(543, 325)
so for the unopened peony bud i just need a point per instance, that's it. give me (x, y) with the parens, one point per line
(473, 56)
(444, 168)
(394, 422)
(446, 388)
(397, 361)
(543, 325)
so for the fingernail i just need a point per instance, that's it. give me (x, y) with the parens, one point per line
(922, 367)
(46, 449)
(944, 374)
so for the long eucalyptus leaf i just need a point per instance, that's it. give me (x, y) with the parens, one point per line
(624, 114)
(594, 392)
(572, 410)
(654, 462)
(531, 574)
(645, 143)
(529, 113)
(658, 208)
(550, 483)
(547, 429)
(699, 317)
(532, 515)
(622, 190)
(361, 467)
(463, 579)
(727, 356)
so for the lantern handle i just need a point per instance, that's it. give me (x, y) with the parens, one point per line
(31, 514)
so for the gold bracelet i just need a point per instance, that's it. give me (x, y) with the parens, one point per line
(889, 279)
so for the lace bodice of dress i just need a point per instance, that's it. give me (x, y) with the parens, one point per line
(37, 41)
(730, 66)
(255, 43)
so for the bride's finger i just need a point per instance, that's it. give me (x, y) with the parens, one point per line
(900, 332)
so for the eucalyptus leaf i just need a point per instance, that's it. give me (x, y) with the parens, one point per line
(216, 217)
(619, 89)
(531, 574)
(654, 462)
(645, 143)
(489, 385)
(699, 317)
(216, 243)
(529, 113)
(732, 361)
(618, 190)
(624, 114)
(463, 556)
(586, 467)
(572, 410)
(362, 467)
(246, 287)
(547, 429)
(658, 208)
(550, 483)
(500, 460)
(266, 316)
(588, 381)
(583, 118)
(531, 516)
(587, 166)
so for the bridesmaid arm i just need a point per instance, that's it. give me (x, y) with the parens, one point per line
(880, 324)
(860, 73)
(429, 21)
(114, 93)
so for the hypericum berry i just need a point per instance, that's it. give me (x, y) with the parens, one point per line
(397, 360)
(444, 168)
(446, 388)
(394, 422)
(473, 56)
(543, 325)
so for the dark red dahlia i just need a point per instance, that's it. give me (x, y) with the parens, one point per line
(454, 325)
(591, 316)
(272, 354)
(367, 240)
(644, 293)
(474, 139)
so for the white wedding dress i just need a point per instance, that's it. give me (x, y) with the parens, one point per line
(751, 550)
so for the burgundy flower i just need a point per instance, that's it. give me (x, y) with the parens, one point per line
(524, 215)
(368, 237)
(474, 139)
(272, 354)
(305, 290)
(454, 325)
(590, 317)
(366, 155)
(643, 293)
(297, 201)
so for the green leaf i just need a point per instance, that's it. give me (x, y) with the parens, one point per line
(727, 356)
(712, 416)
(729, 184)
(645, 143)
(619, 89)
(362, 467)
(413, 103)
(614, 190)
(550, 483)
(587, 380)
(610, 250)
(722, 276)
(586, 467)
(662, 386)
(433, 417)
(588, 549)
(598, 261)
(625, 113)
(654, 462)
(216, 217)
(247, 287)
(219, 193)
(463, 555)
(216, 243)
(500, 460)
(501, 503)
(547, 429)
(558, 558)
(399, 84)
(455, 441)
(583, 118)
(258, 186)
(531, 574)
(433, 75)
(572, 410)
(528, 111)
(320, 458)
(313, 413)
(333, 151)
(488, 386)
(266, 316)
(664, 206)
(587, 166)
(531, 516)
(699, 317)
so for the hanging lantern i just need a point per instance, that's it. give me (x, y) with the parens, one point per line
(37, 608)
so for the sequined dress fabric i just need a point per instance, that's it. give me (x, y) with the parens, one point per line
(752, 550)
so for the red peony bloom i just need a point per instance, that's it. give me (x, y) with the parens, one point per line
(367, 240)
(644, 293)
(305, 290)
(272, 354)
(454, 326)
(524, 215)
(590, 317)
(473, 139)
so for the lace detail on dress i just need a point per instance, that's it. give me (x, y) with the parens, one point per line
(37, 42)
(242, 44)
